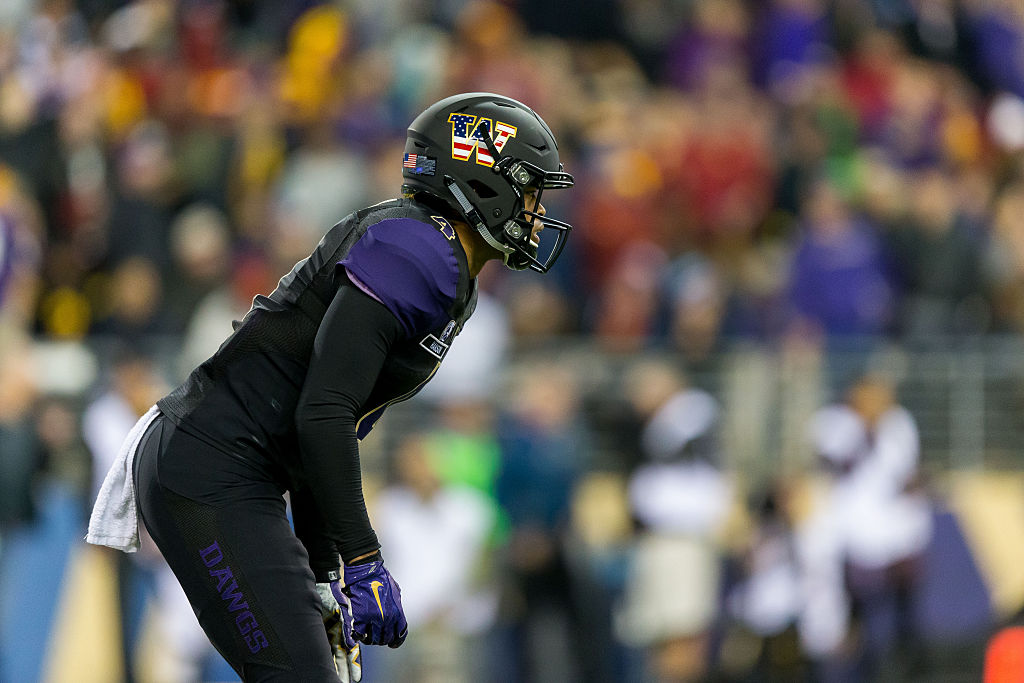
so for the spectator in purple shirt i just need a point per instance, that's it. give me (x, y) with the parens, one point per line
(838, 284)
(997, 34)
(791, 34)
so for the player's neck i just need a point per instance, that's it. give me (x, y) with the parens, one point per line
(478, 252)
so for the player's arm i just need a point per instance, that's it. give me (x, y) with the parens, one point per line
(348, 353)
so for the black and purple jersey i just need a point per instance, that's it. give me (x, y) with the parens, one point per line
(403, 255)
(361, 323)
(420, 275)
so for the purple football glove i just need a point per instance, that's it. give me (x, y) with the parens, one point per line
(376, 599)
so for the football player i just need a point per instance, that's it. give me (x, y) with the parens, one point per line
(360, 324)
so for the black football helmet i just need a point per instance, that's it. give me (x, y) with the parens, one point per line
(480, 154)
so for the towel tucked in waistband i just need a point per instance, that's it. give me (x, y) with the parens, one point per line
(114, 521)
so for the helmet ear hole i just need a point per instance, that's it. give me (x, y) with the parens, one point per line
(482, 190)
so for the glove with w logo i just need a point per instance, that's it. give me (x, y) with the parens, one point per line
(377, 616)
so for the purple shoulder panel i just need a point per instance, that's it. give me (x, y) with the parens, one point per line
(411, 268)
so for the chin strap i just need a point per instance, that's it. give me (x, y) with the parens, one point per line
(473, 216)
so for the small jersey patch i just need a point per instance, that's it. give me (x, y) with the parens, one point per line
(436, 347)
(446, 228)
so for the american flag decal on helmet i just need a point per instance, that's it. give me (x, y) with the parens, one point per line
(468, 136)
(420, 164)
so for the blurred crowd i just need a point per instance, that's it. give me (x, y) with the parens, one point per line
(794, 175)
(795, 168)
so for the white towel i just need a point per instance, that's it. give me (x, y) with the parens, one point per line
(114, 521)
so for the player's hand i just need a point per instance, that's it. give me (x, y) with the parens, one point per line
(378, 618)
(336, 611)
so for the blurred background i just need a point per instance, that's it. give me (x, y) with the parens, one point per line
(764, 420)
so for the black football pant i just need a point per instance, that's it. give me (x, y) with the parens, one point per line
(235, 554)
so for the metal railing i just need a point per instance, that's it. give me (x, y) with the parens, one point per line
(967, 398)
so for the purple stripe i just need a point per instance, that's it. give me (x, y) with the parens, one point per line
(362, 286)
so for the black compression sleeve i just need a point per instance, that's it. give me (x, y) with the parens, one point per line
(309, 527)
(348, 353)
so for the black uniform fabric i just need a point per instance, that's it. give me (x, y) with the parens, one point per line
(355, 338)
(280, 407)
(244, 571)
(305, 373)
